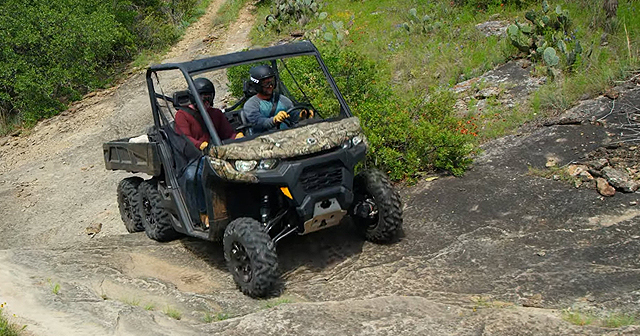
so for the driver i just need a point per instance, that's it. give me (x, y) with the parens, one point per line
(266, 110)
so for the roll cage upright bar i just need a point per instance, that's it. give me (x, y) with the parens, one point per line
(195, 67)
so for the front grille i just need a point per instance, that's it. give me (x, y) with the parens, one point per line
(321, 177)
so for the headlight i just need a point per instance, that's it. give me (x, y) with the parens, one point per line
(268, 164)
(245, 166)
(356, 140)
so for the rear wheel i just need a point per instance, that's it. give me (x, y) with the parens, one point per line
(377, 208)
(155, 219)
(128, 201)
(251, 256)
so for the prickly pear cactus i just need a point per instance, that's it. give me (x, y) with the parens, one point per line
(550, 57)
(420, 24)
(548, 38)
(285, 12)
(518, 39)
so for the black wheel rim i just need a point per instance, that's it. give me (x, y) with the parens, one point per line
(366, 197)
(373, 221)
(241, 262)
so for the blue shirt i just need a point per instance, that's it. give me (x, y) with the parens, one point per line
(258, 112)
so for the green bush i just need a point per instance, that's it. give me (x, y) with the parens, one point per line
(406, 136)
(55, 51)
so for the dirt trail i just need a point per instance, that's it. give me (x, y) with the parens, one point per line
(53, 184)
(497, 252)
(54, 176)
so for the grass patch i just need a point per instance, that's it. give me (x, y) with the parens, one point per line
(611, 320)
(215, 317)
(147, 57)
(556, 173)
(578, 318)
(618, 320)
(453, 50)
(172, 312)
(276, 302)
(6, 327)
(228, 12)
(487, 302)
(149, 306)
(55, 288)
(131, 301)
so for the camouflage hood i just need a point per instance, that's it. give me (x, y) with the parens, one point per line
(293, 142)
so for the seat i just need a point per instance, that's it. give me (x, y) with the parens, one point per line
(236, 115)
(246, 126)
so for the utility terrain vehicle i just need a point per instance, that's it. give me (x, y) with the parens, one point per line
(264, 187)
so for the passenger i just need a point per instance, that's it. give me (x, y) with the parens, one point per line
(189, 122)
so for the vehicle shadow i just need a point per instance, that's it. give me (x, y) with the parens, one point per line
(321, 250)
(316, 252)
(209, 252)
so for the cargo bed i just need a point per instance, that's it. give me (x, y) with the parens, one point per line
(132, 157)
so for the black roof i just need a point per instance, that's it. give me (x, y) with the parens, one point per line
(242, 57)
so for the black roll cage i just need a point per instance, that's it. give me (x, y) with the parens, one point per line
(195, 67)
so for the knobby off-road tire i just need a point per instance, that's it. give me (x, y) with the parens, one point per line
(384, 227)
(155, 219)
(251, 257)
(128, 201)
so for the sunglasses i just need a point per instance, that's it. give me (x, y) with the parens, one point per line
(268, 85)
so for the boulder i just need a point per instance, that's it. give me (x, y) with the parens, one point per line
(604, 188)
(620, 179)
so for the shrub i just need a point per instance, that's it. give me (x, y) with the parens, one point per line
(406, 136)
(55, 51)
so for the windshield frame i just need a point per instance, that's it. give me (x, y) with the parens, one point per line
(189, 69)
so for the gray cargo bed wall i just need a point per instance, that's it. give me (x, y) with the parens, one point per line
(132, 157)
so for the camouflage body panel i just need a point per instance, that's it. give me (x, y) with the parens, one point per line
(290, 143)
(226, 171)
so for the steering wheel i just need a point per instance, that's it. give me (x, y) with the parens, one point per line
(297, 107)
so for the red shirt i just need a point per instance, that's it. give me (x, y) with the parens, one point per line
(188, 125)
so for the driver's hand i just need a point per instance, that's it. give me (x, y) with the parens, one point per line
(306, 114)
(281, 116)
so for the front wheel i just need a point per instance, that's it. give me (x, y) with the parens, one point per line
(251, 256)
(155, 219)
(377, 209)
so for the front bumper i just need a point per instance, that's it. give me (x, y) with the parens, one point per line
(317, 178)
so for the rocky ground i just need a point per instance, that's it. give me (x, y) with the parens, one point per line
(512, 248)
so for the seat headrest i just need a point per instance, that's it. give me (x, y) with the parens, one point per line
(181, 98)
(248, 89)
